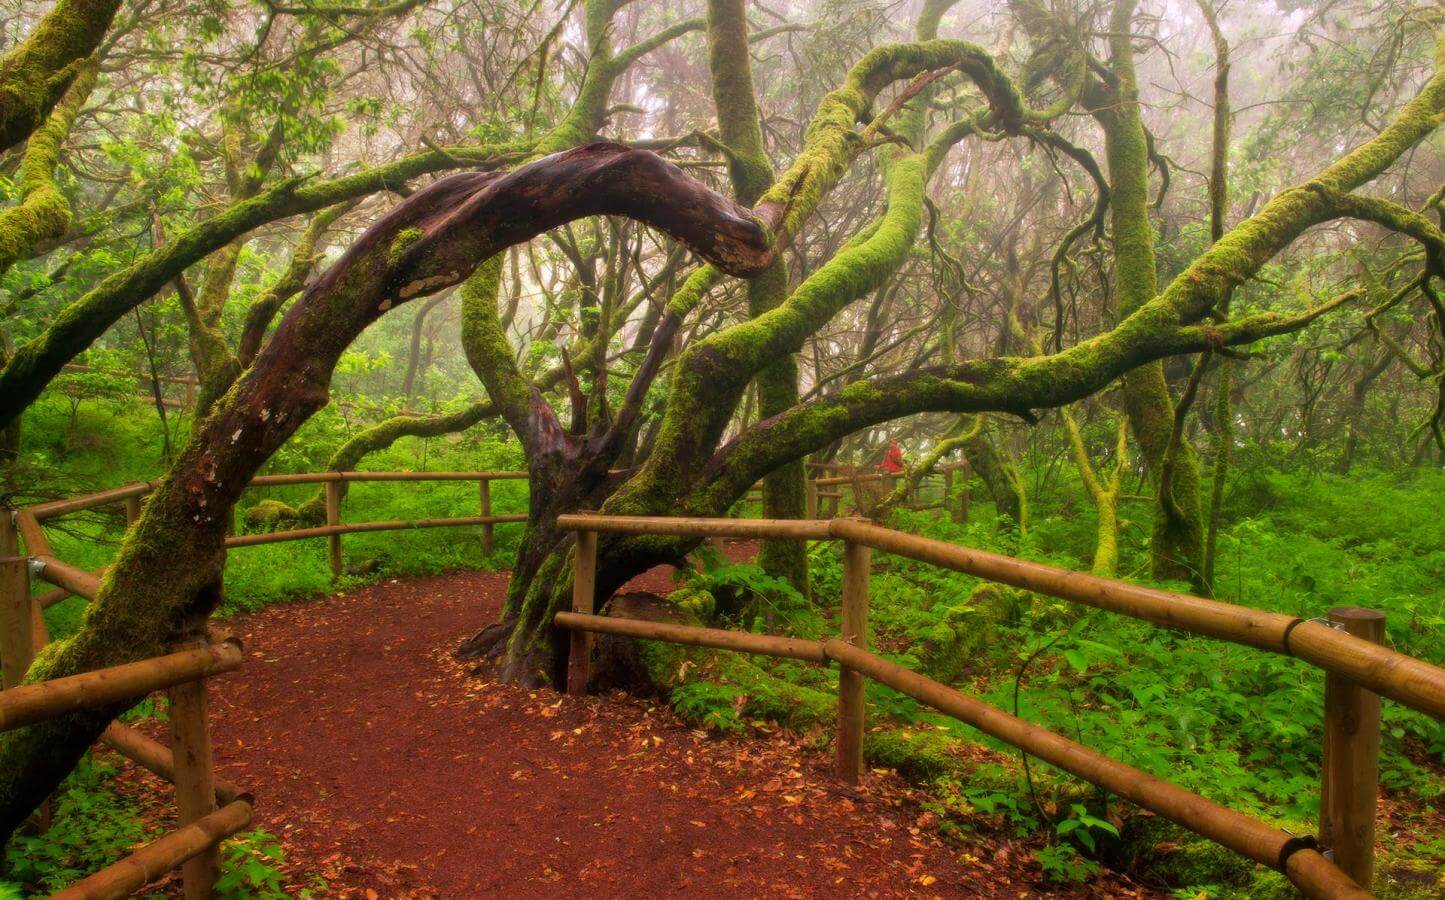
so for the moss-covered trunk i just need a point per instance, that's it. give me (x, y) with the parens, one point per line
(740, 128)
(1177, 547)
(998, 476)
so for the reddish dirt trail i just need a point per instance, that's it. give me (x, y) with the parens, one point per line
(385, 766)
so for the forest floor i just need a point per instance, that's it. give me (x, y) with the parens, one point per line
(390, 770)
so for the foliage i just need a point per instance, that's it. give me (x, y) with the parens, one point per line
(154, 238)
(1235, 724)
(94, 825)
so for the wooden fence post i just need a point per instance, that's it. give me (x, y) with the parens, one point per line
(1350, 776)
(810, 508)
(132, 510)
(22, 628)
(17, 647)
(584, 599)
(856, 561)
(195, 779)
(9, 536)
(333, 517)
(484, 493)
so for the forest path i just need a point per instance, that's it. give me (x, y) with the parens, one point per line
(393, 771)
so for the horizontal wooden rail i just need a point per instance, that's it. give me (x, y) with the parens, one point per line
(850, 479)
(138, 376)
(156, 758)
(322, 477)
(56, 595)
(1412, 682)
(1409, 681)
(74, 581)
(155, 859)
(763, 644)
(31, 703)
(71, 579)
(55, 508)
(801, 529)
(299, 534)
(1314, 875)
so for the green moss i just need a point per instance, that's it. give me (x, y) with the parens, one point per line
(267, 515)
(964, 630)
(401, 243)
(1183, 860)
(487, 348)
(695, 601)
(43, 211)
(39, 70)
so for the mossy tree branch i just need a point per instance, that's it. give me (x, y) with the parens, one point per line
(1014, 385)
(36, 73)
(304, 257)
(43, 212)
(81, 322)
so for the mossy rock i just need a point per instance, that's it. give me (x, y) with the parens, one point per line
(967, 628)
(364, 568)
(695, 601)
(270, 515)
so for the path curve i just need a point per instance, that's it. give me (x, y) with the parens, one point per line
(395, 772)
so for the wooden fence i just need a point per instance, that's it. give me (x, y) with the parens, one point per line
(825, 490)
(209, 811)
(146, 392)
(1347, 646)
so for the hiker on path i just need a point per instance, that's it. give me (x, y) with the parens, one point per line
(893, 459)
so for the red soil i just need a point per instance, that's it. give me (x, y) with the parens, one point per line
(394, 772)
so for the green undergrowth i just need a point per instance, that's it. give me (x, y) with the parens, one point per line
(96, 822)
(1240, 726)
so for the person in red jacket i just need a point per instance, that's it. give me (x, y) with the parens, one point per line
(893, 459)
